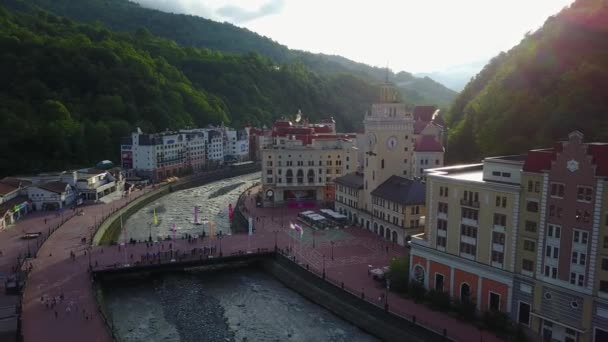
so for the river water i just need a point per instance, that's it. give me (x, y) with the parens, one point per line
(239, 305)
(178, 209)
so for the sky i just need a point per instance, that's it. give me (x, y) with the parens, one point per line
(412, 35)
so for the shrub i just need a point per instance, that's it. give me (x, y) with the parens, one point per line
(399, 274)
(496, 321)
(439, 300)
(417, 291)
(465, 309)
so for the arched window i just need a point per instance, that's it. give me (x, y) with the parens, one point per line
(311, 176)
(382, 163)
(300, 176)
(375, 228)
(388, 234)
(394, 237)
(289, 176)
(465, 292)
(367, 224)
(381, 230)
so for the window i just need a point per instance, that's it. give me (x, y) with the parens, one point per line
(605, 241)
(580, 237)
(496, 173)
(441, 241)
(550, 271)
(468, 231)
(269, 180)
(604, 264)
(577, 279)
(494, 301)
(537, 187)
(382, 164)
(579, 258)
(557, 190)
(498, 238)
(442, 224)
(438, 282)
(500, 220)
(469, 249)
(532, 206)
(498, 257)
(554, 231)
(530, 186)
(552, 252)
(443, 191)
(442, 207)
(527, 265)
(269, 162)
(604, 286)
(529, 245)
(584, 193)
(470, 214)
(531, 226)
(523, 316)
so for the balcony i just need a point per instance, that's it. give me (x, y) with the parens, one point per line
(499, 228)
(443, 216)
(468, 239)
(498, 248)
(470, 222)
(468, 203)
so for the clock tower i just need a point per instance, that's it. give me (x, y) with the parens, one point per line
(389, 132)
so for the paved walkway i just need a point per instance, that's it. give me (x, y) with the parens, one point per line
(64, 284)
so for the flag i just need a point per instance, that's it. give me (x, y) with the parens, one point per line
(297, 228)
(155, 218)
(211, 224)
(230, 211)
(250, 225)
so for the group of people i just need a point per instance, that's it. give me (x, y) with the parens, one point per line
(54, 303)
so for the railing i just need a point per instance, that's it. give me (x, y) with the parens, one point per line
(360, 293)
(468, 203)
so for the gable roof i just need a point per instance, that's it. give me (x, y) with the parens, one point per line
(424, 113)
(6, 189)
(401, 190)
(599, 152)
(351, 180)
(15, 182)
(419, 126)
(427, 143)
(56, 187)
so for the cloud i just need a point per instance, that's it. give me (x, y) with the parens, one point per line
(237, 14)
(192, 7)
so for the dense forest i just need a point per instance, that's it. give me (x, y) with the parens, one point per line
(553, 82)
(186, 30)
(69, 91)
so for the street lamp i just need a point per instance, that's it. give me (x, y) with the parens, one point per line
(150, 231)
(219, 236)
(388, 285)
(332, 249)
(323, 266)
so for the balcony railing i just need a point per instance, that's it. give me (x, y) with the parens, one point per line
(467, 203)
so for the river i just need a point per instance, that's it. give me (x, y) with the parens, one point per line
(240, 305)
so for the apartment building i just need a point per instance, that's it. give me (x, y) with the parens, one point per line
(524, 235)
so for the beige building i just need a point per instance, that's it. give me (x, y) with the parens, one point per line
(299, 168)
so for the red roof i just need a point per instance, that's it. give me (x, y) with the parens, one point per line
(427, 143)
(323, 129)
(6, 189)
(424, 113)
(539, 160)
(419, 126)
(281, 123)
(599, 152)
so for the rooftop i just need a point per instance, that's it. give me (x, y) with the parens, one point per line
(351, 180)
(401, 190)
(57, 187)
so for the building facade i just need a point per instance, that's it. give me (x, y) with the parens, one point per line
(301, 164)
(398, 146)
(524, 235)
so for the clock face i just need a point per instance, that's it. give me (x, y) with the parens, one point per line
(391, 143)
(269, 193)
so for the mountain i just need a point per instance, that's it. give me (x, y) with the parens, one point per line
(455, 77)
(69, 91)
(187, 30)
(553, 82)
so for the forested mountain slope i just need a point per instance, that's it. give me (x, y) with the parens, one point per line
(70, 90)
(186, 30)
(553, 82)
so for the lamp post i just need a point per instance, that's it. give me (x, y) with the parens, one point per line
(323, 266)
(219, 236)
(388, 285)
(332, 249)
(150, 231)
